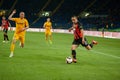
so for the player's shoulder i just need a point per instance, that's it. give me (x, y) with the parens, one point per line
(50, 22)
(16, 18)
(80, 25)
(46, 22)
(7, 21)
(25, 19)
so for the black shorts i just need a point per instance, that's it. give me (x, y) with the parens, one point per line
(79, 41)
(5, 30)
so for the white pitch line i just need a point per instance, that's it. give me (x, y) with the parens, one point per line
(113, 56)
(97, 52)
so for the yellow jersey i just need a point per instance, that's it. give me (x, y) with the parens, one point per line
(48, 25)
(20, 24)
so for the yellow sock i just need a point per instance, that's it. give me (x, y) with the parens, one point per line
(50, 41)
(12, 47)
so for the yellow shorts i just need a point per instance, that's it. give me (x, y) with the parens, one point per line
(19, 37)
(48, 33)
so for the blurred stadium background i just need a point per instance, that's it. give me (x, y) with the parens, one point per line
(41, 61)
(93, 14)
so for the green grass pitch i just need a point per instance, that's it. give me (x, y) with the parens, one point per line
(40, 61)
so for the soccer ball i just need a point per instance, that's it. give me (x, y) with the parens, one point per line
(69, 60)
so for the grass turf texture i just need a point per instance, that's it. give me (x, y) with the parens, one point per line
(40, 61)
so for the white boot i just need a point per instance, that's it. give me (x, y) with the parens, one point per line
(11, 54)
(4, 41)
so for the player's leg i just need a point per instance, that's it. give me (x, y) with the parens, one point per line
(4, 36)
(15, 38)
(22, 40)
(46, 36)
(74, 52)
(89, 46)
(50, 37)
(7, 35)
(75, 44)
(12, 47)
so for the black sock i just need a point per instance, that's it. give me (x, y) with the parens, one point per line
(7, 37)
(74, 54)
(4, 37)
(91, 45)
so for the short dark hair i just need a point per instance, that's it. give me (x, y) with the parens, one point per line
(3, 16)
(74, 17)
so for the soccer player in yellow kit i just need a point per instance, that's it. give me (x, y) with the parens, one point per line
(21, 26)
(48, 33)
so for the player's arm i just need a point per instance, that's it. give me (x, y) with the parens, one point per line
(74, 26)
(82, 32)
(10, 17)
(2, 26)
(9, 25)
(24, 29)
(26, 26)
(44, 25)
(51, 27)
(70, 29)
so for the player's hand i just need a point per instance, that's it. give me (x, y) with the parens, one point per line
(14, 11)
(1, 28)
(10, 29)
(69, 30)
(83, 41)
(23, 29)
(52, 30)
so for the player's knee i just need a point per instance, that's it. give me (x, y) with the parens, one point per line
(50, 35)
(73, 48)
(22, 45)
(88, 48)
(14, 41)
(5, 34)
(46, 36)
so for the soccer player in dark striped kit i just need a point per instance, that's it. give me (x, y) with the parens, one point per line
(79, 38)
